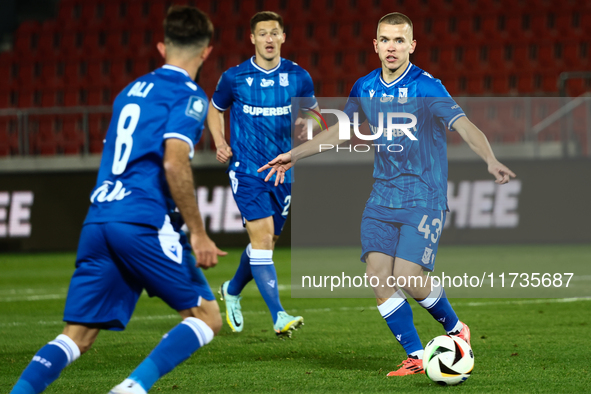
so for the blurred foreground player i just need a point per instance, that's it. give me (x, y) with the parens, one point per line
(259, 91)
(405, 213)
(128, 243)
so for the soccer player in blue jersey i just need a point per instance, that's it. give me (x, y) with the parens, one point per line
(128, 242)
(405, 213)
(259, 91)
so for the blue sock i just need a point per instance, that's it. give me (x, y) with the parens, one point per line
(243, 274)
(398, 315)
(439, 307)
(174, 348)
(265, 276)
(47, 365)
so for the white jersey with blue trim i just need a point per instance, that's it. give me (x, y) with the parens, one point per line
(131, 185)
(407, 172)
(262, 113)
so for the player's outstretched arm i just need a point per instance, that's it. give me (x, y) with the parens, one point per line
(285, 161)
(215, 122)
(180, 182)
(479, 144)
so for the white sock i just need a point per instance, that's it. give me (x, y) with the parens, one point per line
(69, 347)
(457, 328)
(418, 354)
(130, 386)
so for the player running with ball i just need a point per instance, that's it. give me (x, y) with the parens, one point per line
(405, 213)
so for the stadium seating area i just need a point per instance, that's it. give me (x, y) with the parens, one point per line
(95, 47)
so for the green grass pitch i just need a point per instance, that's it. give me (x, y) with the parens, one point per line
(345, 346)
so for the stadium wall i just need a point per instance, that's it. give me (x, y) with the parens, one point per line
(547, 203)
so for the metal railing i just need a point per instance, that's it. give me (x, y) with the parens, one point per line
(532, 125)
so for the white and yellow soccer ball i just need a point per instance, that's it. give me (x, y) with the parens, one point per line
(448, 360)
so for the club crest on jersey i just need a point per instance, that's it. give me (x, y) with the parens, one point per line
(267, 82)
(427, 255)
(249, 81)
(283, 79)
(402, 95)
(196, 108)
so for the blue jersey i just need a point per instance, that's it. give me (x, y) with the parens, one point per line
(131, 185)
(407, 173)
(261, 115)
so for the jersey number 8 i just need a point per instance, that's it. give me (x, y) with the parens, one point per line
(128, 119)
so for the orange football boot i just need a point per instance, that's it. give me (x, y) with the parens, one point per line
(464, 333)
(410, 366)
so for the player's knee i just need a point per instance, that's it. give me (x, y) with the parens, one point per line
(414, 285)
(263, 241)
(209, 314)
(376, 272)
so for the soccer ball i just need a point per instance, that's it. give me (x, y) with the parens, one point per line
(448, 360)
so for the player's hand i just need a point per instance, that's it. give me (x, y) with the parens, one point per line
(302, 135)
(278, 165)
(500, 172)
(224, 152)
(206, 252)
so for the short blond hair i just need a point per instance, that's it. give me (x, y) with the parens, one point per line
(396, 18)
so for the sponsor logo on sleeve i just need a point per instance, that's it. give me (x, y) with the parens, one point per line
(196, 108)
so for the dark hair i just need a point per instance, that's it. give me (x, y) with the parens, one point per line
(396, 18)
(186, 25)
(264, 16)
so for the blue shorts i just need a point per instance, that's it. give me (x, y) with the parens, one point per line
(257, 199)
(197, 277)
(117, 261)
(409, 233)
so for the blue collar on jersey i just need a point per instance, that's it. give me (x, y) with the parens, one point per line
(177, 69)
(262, 69)
(389, 85)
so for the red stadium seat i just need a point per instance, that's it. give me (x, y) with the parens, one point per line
(25, 97)
(5, 97)
(137, 42)
(496, 58)
(513, 25)
(47, 39)
(539, 25)
(8, 137)
(248, 8)
(157, 11)
(474, 83)
(8, 64)
(27, 38)
(138, 12)
(521, 59)
(44, 141)
(71, 138)
(525, 83)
